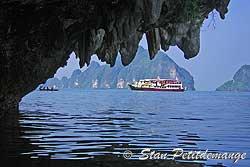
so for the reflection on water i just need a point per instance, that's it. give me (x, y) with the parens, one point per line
(11, 142)
(102, 124)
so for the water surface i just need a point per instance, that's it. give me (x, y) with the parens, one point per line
(83, 124)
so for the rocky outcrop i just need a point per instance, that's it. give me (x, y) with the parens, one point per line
(36, 36)
(102, 76)
(240, 82)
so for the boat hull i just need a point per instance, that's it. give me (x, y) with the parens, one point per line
(155, 89)
(48, 90)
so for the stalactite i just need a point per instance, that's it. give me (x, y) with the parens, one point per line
(36, 37)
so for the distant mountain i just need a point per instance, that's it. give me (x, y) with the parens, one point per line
(102, 76)
(240, 82)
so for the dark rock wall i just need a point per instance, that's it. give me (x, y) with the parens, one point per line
(36, 36)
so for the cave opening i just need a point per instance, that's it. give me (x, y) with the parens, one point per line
(37, 38)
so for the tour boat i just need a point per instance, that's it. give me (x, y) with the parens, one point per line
(47, 89)
(157, 85)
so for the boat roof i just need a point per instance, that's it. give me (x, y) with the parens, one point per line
(158, 80)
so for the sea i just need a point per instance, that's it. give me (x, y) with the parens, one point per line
(73, 124)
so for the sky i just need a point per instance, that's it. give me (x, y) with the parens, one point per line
(224, 49)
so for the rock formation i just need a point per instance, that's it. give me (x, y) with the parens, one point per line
(240, 82)
(118, 76)
(37, 36)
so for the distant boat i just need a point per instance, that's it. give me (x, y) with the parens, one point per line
(41, 88)
(157, 85)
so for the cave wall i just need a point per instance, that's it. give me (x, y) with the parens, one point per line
(37, 36)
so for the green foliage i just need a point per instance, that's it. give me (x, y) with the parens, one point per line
(191, 9)
(185, 10)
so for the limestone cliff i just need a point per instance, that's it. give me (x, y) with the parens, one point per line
(240, 82)
(37, 36)
(102, 76)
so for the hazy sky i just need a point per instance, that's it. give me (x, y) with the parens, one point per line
(224, 49)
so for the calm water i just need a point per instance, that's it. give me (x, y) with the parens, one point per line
(83, 124)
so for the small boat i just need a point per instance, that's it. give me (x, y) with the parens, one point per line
(47, 89)
(157, 85)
